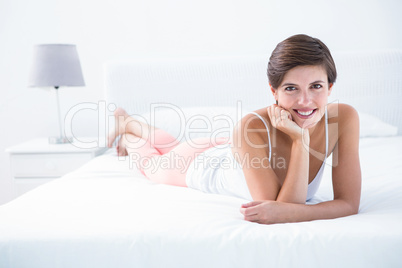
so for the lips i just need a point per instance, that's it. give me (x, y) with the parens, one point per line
(305, 114)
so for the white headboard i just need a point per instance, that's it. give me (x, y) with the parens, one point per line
(370, 81)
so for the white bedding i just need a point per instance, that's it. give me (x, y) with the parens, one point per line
(108, 215)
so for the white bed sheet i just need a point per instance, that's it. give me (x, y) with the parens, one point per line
(108, 215)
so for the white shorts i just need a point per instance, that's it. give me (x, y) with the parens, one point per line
(216, 171)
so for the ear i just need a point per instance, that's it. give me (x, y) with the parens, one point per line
(330, 88)
(274, 92)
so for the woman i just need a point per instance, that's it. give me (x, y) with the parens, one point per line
(278, 152)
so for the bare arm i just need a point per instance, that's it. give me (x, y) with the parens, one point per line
(251, 151)
(260, 177)
(346, 178)
(294, 188)
(269, 212)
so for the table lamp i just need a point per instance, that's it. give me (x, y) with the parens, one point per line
(56, 65)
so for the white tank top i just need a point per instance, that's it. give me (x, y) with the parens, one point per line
(216, 171)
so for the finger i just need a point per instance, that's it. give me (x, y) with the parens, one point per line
(290, 116)
(278, 112)
(284, 115)
(246, 212)
(242, 211)
(252, 218)
(251, 211)
(251, 204)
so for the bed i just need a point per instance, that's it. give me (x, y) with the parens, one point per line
(107, 214)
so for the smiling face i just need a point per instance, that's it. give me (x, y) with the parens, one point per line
(304, 94)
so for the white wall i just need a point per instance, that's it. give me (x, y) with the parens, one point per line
(106, 30)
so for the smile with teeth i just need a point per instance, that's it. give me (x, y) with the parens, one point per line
(305, 113)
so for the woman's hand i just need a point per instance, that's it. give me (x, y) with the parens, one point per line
(266, 212)
(281, 119)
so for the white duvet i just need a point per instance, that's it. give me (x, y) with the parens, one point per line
(108, 215)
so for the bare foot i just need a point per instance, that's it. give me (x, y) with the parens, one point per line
(126, 141)
(120, 116)
(121, 147)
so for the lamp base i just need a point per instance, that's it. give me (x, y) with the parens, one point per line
(60, 140)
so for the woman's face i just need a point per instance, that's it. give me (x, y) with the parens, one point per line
(304, 93)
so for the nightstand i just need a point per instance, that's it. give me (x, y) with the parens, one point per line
(36, 162)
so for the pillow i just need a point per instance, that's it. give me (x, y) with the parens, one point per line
(371, 126)
(194, 122)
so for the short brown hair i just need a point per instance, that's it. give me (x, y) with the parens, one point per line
(299, 50)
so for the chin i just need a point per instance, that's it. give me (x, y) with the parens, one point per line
(308, 123)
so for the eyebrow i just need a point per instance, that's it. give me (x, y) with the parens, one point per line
(292, 84)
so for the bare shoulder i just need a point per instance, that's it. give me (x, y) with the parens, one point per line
(253, 123)
(344, 116)
(252, 128)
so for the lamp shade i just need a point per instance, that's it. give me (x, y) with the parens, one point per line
(56, 65)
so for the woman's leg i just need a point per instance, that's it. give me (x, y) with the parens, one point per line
(171, 167)
(158, 155)
(124, 124)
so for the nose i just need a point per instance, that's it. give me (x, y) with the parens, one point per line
(304, 98)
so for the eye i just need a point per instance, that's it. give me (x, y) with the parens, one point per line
(317, 86)
(290, 88)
